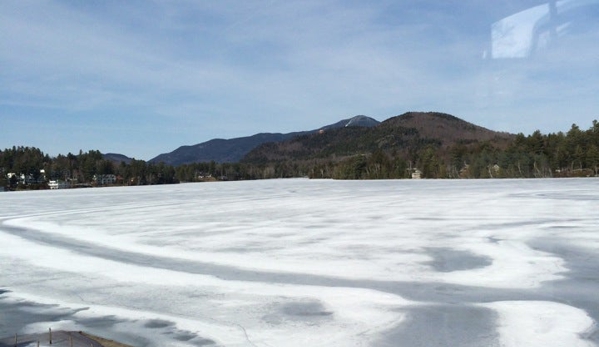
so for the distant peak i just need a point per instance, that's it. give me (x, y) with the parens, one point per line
(357, 121)
(361, 121)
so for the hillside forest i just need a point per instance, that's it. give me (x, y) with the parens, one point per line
(346, 153)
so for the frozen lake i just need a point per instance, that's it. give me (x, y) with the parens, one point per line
(307, 263)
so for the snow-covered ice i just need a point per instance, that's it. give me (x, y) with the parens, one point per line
(307, 263)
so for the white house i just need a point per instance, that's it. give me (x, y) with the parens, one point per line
(102, 180)
(58, 185)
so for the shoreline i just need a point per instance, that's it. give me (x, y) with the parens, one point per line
(60, 338)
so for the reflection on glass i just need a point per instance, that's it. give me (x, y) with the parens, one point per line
(533, 30)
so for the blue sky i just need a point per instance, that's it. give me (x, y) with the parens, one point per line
(142, 78)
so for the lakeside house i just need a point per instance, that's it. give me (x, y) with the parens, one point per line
(103, 180)
(58, 185)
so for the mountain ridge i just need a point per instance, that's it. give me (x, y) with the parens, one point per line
(234, 149)
(407, 134)
(117, 158)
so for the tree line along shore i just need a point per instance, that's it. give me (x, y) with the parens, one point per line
(345, 153)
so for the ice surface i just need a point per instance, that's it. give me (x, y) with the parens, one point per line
(546, 323)
(307, 262)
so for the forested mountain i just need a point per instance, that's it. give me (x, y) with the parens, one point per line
(218, 150)
(232, 150)
(431, 145)
(415, 144)
(444, 127)
(403, 136)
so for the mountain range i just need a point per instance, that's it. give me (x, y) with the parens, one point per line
(410, 131)
(404, 135)
(233, 150)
